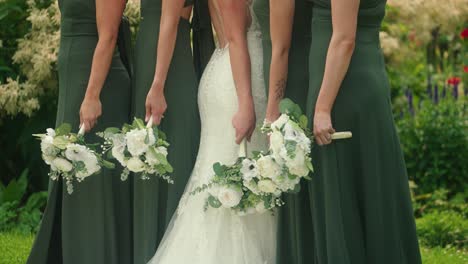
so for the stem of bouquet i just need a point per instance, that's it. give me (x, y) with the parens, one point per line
(243, 149)
(342, 135)
(82, 130)
(150, 122)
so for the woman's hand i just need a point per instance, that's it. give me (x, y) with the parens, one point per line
(244, 121)
(90, 111)
(155, 104)
(323, 128)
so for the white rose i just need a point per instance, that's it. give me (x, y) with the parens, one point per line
(152, 158)
(283, 119)
(48, 159)
(268, 168)
(85, 155)
(276, 141)
(135, 165)
(294, 133)
(118, 154)
(151, 137)
(91, 163)
(136, 141)
(267, 186)
(288, 184)
(297, 165)
(76, 152)
(252, 186)
(249, 169)
(50, 132)
(214, 190)
(62, 164)
(118, 140)
(162, 150)
(230, 196)
(47, 146)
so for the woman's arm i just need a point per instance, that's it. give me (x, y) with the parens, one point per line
(235, 19)
(108, 17)
(170, 16)
(281, 24)
(340, 51)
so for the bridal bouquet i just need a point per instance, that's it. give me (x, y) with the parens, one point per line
(255, 185)
(138, 148)
(69, 156)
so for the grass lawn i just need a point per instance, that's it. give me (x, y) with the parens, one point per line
(14, 249)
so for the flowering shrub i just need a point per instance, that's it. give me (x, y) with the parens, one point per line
(37, 59)
(435, 142)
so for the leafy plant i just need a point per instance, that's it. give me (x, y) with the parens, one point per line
(14, 215)
(443, 228)
(435, 143)
(439, 201)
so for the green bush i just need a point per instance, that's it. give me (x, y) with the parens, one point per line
(439, 201)
(14, 214)
(441, 229)
(435, 143)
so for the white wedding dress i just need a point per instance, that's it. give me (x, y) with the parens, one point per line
(218, 236)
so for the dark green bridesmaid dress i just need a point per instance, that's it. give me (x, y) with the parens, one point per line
(155, 201)
(295, 229)
(92, 225)
(361, 201)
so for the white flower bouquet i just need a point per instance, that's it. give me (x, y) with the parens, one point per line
(69, 156)
(138, 148)
(256, 184)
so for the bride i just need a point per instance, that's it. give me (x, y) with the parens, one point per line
(231, 98)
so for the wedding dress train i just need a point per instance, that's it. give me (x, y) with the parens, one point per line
(216, 236)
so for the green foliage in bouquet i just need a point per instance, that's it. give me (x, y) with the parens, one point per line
(138, 148)
(69, 156)
(255, 184)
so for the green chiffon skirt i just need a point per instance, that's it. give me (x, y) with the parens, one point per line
(361, 201)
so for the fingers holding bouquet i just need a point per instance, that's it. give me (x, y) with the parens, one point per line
(155, 105)
(90, 111)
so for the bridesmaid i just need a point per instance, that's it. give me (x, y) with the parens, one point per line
(92, 225)
(286, 42)
(361, 201)
(165, 78)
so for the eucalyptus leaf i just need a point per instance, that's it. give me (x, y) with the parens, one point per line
(303, 121)
(108, 164)
(60, 142)
(214, 202)
(63, 129)
(112, 130)
(218, 168)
